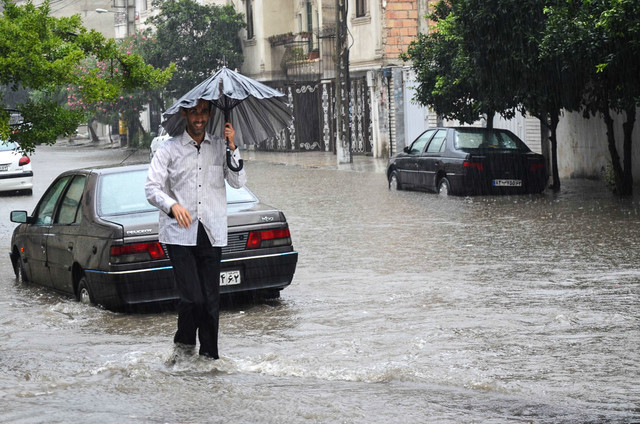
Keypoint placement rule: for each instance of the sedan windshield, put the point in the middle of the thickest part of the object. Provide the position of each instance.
(482, 138)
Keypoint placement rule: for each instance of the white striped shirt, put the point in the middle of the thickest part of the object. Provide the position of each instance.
(180, 173)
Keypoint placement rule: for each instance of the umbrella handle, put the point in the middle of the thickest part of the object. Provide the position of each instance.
(240, 161)
(230, 165)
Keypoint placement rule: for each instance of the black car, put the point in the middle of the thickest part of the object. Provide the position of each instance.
(93, 235)
(468, 160)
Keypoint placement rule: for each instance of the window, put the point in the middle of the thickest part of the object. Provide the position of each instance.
(361, 8)
(482, 138)
(250, 32)
(7, 146)
(418, 146)
(70, 204)
(113, 200)
(44, 213)
(437, 144)
(239, 195)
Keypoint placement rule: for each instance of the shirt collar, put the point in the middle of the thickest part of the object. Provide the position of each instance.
(186, 138)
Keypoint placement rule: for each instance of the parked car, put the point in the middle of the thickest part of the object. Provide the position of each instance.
(466, 160)
(157, 141)
(93, 235)
(15, 168)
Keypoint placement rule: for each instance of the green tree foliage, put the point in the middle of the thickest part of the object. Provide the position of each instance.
(125, 105)
(41, 54)
(537, 56)
(198, 38)
(599, 42)
(444, 72)
(461, 72)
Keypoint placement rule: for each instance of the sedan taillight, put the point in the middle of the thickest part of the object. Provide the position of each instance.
(269, 238)
(536, 166)
(139, 252)
(473, 165)
(24, 160)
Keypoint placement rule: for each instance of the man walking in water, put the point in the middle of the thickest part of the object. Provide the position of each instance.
(186, 182)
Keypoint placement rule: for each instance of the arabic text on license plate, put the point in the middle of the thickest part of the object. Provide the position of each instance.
(4, 167)
(229, 278)
(507, 183)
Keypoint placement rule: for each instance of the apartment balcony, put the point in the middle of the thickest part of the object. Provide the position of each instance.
(306, 56)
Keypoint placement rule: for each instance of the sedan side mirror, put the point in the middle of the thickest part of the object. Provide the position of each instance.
(19, 217)
(406, 149)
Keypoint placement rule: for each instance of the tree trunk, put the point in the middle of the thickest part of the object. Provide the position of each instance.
(555, 119)
(618, 171)
(490, 120)
(94, 136)
(551, 121)
(627, 129)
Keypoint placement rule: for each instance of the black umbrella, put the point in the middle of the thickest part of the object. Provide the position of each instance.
(256, 111)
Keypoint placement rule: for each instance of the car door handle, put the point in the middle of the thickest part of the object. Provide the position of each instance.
(70, 247)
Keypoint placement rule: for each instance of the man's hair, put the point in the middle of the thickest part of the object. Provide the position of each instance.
(209, 103)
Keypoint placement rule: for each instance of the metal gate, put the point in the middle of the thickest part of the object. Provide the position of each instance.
(313, 126)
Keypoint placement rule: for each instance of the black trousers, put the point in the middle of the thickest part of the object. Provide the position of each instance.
(197, 272)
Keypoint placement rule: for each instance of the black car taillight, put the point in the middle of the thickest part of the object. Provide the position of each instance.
(269, 238)
(139, 252)
(536, 166)
(473, 165)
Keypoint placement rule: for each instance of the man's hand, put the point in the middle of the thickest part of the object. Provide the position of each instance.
(230, 135)
(181, 215)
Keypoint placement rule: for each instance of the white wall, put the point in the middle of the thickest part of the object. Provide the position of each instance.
(583, 150)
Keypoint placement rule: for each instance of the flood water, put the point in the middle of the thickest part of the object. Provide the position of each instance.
(405, 308)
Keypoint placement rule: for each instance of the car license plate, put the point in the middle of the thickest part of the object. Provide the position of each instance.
(229, 278)
(4, 167)
(507, 183)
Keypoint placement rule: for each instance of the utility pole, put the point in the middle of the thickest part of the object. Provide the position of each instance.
(343, 85)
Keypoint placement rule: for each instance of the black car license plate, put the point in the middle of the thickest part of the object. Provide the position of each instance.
(506, 183)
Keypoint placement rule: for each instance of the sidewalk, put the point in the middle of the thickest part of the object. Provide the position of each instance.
(325, 160)
(314, 159)
(103, 143)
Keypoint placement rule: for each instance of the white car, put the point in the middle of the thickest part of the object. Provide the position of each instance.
(15, 169)
(158, 140)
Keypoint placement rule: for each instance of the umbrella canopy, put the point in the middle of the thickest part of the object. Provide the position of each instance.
(256, 111)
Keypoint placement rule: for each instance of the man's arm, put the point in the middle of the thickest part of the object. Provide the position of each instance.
(235, 179)
(156, 179)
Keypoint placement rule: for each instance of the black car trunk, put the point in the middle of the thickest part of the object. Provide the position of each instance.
(498, 171)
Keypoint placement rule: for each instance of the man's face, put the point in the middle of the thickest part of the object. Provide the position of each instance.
(197, 117)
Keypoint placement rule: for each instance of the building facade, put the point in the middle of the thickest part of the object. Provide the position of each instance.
(292, 45)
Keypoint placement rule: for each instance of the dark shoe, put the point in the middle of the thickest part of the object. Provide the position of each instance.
(209, 356)
(180, 352)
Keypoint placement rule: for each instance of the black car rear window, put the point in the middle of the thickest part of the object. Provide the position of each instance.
(481, 138)
(123, 193)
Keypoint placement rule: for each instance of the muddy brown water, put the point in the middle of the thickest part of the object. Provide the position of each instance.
(405, 308)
